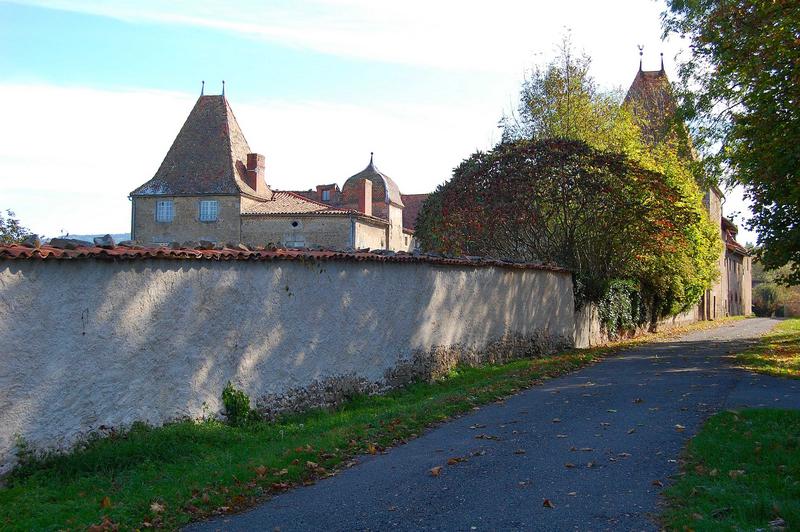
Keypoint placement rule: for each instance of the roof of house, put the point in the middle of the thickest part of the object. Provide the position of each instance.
(208, 156)
(730, 231)
(120, 253)
(285, 203)
(413, 204)
(383, 187)
(651, 100)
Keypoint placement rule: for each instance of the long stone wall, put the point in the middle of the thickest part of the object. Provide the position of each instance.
(589, 332)
(93, 344)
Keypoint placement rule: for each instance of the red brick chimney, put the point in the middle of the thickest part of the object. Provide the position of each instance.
(256, 178)
(365, 197)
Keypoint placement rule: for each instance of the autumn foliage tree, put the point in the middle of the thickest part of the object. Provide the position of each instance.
(573, 183)
(741, 95)
(599, 213)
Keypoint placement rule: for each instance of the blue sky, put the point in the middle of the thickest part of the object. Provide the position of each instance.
(95, 91)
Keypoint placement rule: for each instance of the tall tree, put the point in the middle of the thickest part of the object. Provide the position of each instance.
(563, 100)
(11, 230)
(741, 93)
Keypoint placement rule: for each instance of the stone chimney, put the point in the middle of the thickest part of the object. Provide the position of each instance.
(256, 178)
(365, 197)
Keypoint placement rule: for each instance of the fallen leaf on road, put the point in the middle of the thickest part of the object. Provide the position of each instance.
(638, 400)
(586, 449)
(611, 410)
(519, 451)
(623, 455)
(477, 426)
(556, 420)
(572, 493)
(631, 431)
(590, 464)
(392, 508)
(547, 503)
(561, 435)
(569, 465)
(657, 483)
(434, 471)
(456, 459)
(680, 428)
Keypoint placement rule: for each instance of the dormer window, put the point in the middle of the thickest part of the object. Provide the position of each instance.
(209, 210)
(165, 211)
(326, 195)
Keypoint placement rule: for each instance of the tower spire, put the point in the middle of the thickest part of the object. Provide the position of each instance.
(662, 61)
(202, 87)
(641, 53)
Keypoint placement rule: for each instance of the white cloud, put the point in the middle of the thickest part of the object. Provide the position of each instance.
(497, 36)
(75, 153)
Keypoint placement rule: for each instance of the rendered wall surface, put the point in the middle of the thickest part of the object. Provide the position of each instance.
(186, 226)
(92, 343)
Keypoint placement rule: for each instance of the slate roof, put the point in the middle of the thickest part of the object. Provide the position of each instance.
(383, 187)
(208, 156)
(124, 253)
(651, 100)
(413, 203)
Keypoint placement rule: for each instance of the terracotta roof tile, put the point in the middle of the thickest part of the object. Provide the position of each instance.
(284, 202)
(122, 253)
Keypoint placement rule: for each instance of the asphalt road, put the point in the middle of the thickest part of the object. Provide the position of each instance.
(592, 443)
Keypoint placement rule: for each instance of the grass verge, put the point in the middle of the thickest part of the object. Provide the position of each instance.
(742, 473)
(168, 476)
(778, 353)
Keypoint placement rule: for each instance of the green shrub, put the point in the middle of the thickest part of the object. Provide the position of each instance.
(622, 307)
(237, 406)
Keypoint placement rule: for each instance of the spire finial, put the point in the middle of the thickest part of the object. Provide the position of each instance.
(662, 61)
(641, 53)
(223, 87)
(371, 154)
(202, 87)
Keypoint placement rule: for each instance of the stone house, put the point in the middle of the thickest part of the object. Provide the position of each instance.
(211, 186)
(650, 99)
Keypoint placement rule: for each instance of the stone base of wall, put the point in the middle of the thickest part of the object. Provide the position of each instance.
(422, 366)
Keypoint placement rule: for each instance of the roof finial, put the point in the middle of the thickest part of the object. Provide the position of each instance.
(662, 61)
(370, 156)
(223, 87)
(202, 87)
(641, 53)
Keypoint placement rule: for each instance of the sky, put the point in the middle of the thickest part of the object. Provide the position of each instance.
(93, 92)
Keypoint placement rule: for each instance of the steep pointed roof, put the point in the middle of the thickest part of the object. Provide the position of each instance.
(208, 156)
(651, 100)
(383, 187)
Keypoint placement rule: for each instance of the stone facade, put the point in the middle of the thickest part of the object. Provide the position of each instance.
(211, 160)
(186, 224)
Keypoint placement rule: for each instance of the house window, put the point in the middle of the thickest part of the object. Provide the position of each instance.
(209, 210)
(326, 195)
(165, 211)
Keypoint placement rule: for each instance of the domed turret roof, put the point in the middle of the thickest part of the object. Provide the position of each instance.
(383, 187)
